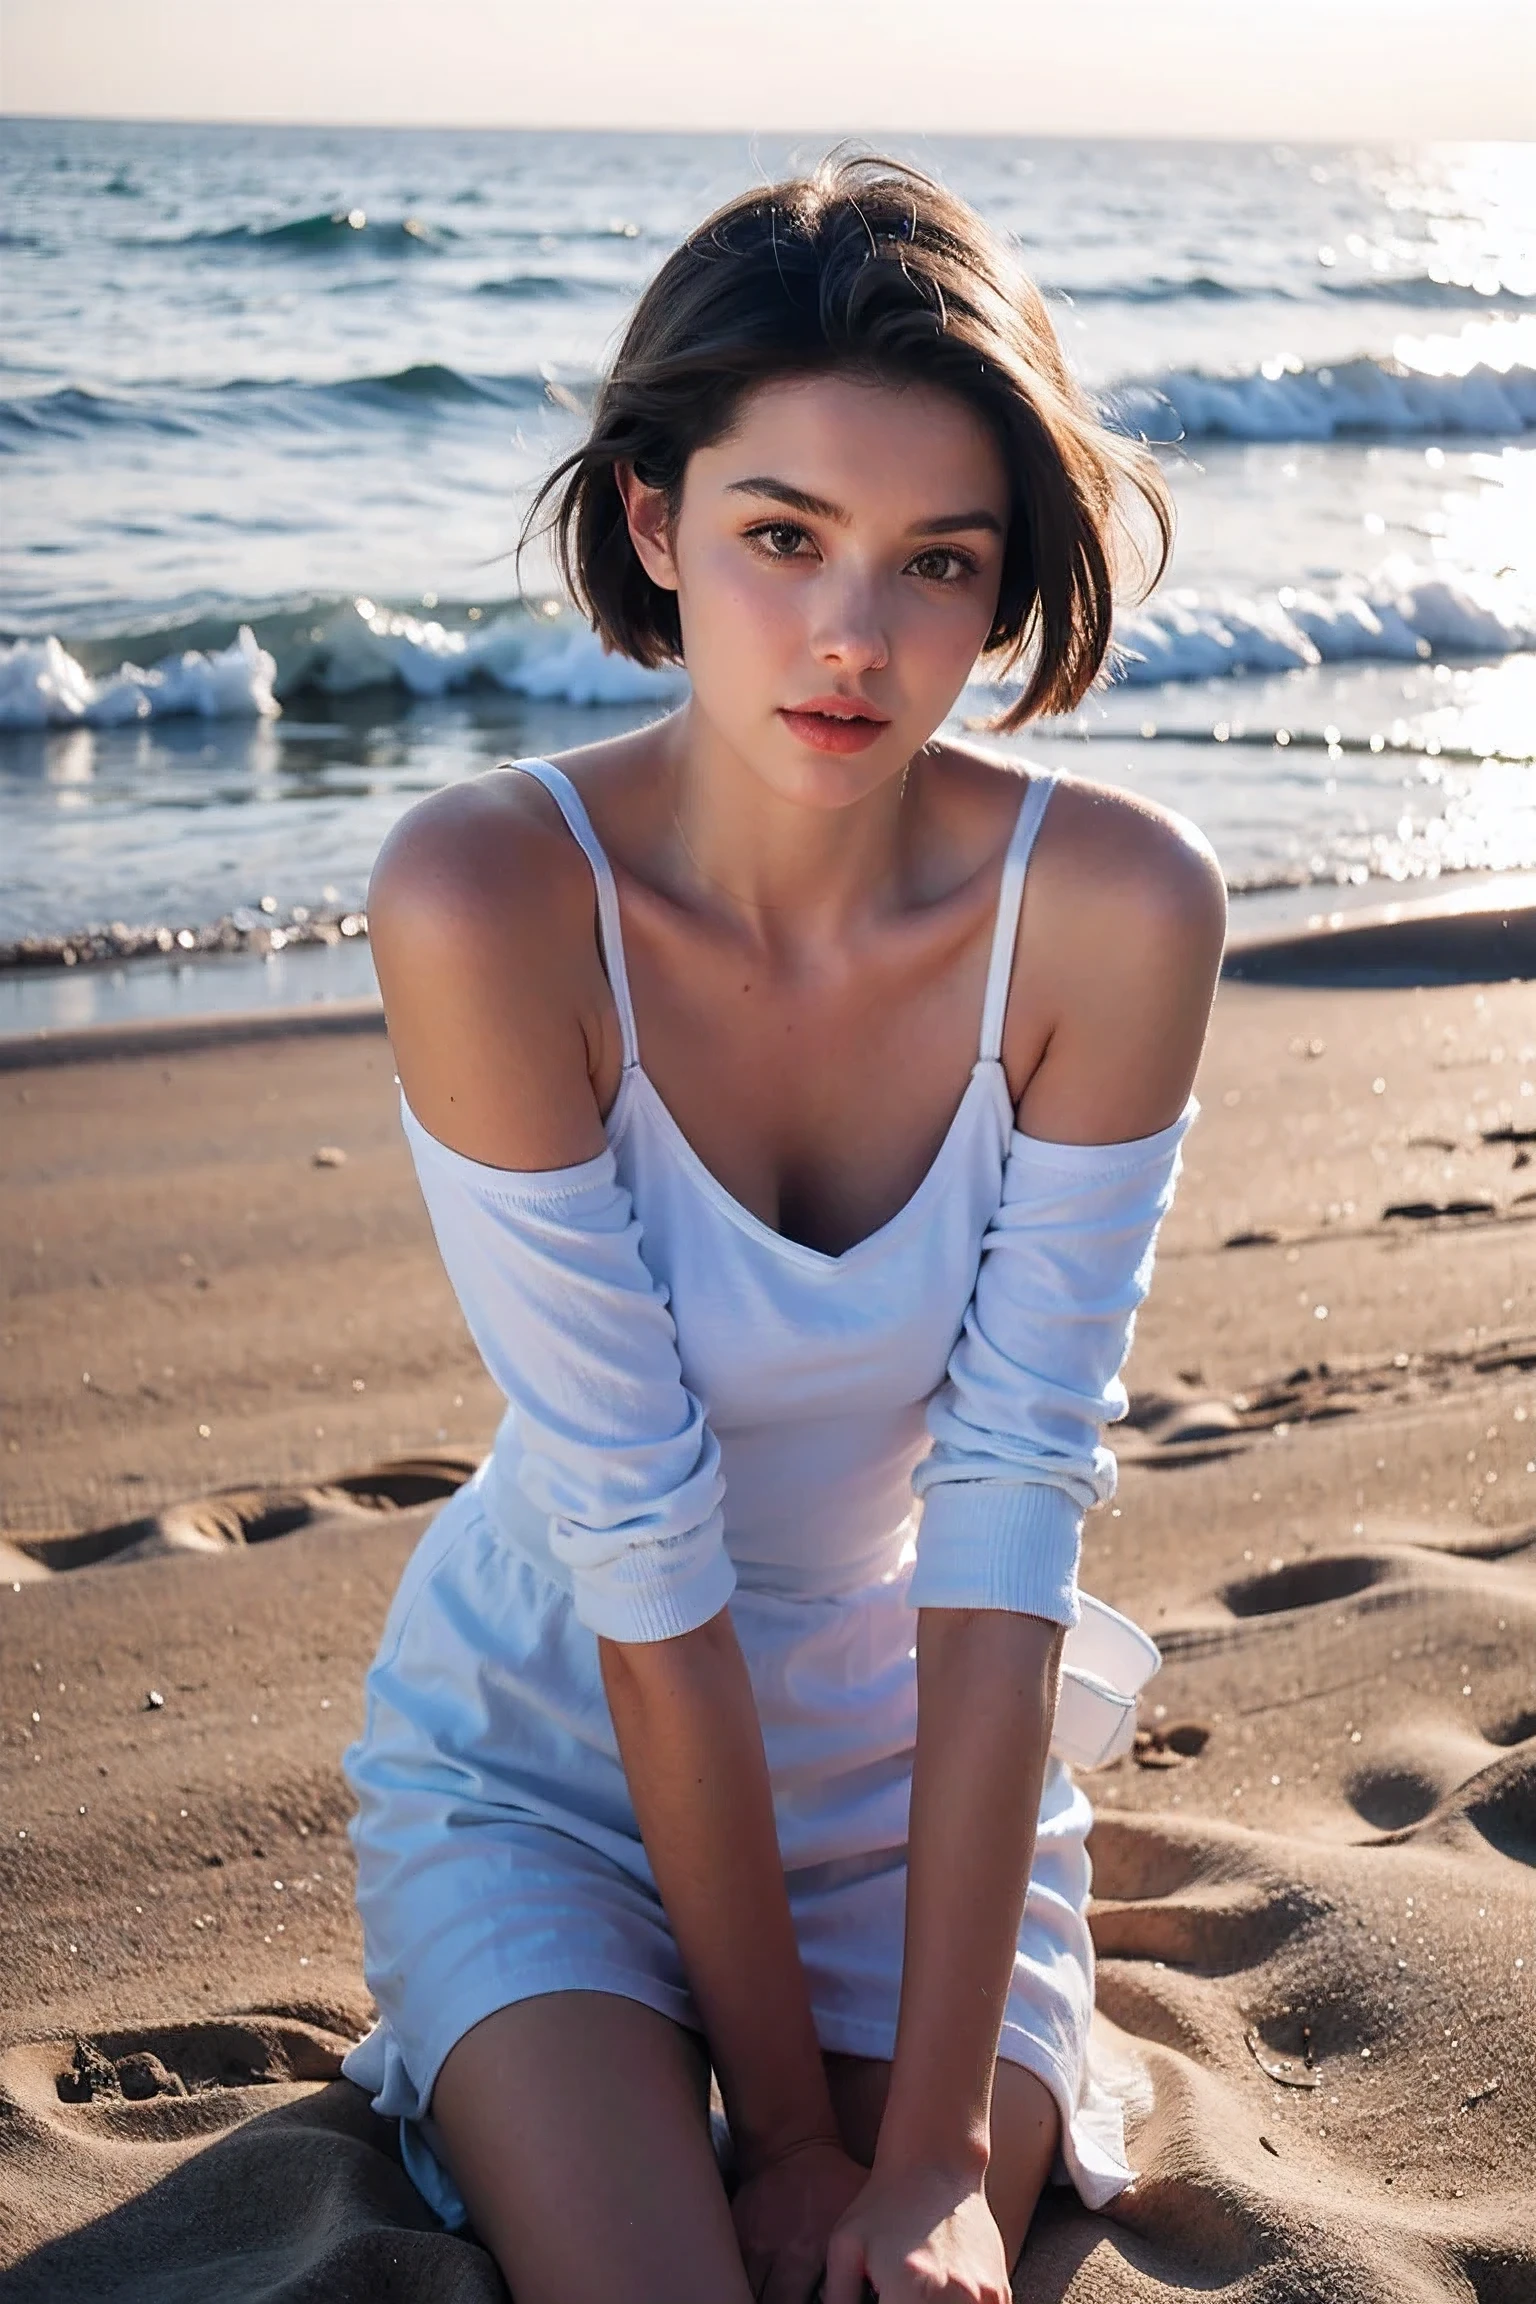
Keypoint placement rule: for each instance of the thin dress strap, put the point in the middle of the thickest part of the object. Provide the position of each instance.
(1010, 896)
(610, 935)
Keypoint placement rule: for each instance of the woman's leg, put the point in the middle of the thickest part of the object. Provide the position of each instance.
(576, 2127)
(1025, 2129)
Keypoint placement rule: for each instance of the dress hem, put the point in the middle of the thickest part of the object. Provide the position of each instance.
(1091, 2153)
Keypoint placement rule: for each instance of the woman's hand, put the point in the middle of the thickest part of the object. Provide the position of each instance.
(785, 2212)
(916, 2235)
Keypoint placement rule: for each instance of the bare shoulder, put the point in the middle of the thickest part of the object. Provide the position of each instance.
(481, 916)
(1102, 854)
(475, 865)
(1112, 856)
(1116, 966)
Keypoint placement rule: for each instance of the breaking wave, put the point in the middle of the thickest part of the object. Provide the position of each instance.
(1352, 399)
(349, 647)
(75, 411)
(1365, 399)
(1407, 616)
(43, 686)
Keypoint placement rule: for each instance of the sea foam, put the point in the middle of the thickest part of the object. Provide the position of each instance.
(42, 686)
(1352, 399)
(1407, 615)
(552, 659)
(1363, 399)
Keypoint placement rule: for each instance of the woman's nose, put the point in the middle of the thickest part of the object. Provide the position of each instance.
(847, 627)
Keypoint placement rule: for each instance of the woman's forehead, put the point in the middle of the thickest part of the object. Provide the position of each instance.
(860, 445)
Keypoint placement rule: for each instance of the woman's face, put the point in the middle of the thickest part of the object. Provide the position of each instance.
(837, 560)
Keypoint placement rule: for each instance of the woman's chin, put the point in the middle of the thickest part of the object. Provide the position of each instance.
(832, 780)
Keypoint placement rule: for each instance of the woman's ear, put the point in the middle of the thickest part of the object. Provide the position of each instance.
(650, 526)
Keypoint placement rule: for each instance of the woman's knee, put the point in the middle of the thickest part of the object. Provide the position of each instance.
(576, 2128)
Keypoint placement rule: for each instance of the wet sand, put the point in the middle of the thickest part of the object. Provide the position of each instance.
(234, 1385)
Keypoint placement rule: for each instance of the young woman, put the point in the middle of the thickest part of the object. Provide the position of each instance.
(795, 1096)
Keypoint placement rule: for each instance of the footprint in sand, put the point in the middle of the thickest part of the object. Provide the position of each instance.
(238, 1516)
(177, 2068)
(1308, 1583)
(1497, 1802)
(1405, 1781)
(1512, 1727)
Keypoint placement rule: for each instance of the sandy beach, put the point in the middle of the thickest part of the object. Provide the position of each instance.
(235, 1385)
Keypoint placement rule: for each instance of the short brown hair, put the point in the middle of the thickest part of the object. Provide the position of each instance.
(866, 267)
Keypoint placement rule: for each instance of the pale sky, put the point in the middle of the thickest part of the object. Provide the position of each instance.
(1330, 69)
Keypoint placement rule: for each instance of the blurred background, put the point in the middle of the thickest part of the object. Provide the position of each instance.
(297, 310)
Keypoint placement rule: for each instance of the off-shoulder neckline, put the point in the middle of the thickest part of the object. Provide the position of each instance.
(1020, 1147)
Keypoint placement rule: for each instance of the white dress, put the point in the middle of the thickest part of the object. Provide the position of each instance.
(702, 1412)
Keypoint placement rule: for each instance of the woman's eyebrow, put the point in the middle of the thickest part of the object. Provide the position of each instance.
(949, 522)
(798, 499)
(820, 508)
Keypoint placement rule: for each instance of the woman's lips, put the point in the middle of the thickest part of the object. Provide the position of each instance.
(833, 732)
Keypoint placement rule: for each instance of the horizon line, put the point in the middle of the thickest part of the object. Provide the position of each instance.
(734, 130)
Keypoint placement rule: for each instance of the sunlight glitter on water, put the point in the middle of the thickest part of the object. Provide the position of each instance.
(298, 372)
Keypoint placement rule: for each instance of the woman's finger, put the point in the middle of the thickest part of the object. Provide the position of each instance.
(790, 2282)
(843, 2282)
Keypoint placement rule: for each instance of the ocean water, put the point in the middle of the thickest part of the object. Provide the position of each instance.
(271, 402)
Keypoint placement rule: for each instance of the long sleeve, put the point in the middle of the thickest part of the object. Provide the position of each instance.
(576, 1331)
(1018, 1455)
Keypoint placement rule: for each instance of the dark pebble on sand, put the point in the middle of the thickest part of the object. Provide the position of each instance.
(142, 2075)
(1422, 1211)
(1165, 1747)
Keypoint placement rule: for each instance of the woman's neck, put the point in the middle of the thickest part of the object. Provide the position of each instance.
(783, 867)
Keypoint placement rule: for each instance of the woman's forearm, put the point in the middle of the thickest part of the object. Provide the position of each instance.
(986, 1700)
(692, 1748)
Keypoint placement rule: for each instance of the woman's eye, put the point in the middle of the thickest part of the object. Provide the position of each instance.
(943, 565)
(780, 539)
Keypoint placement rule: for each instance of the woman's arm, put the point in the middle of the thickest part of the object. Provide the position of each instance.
(1034, 1375)
(483, 923)
(923, 2228)
(986, 1696)
(688, 1729)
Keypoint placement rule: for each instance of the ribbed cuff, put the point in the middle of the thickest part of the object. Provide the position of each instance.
(655, 1607)
(999, 1544)
(1103, 1163)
